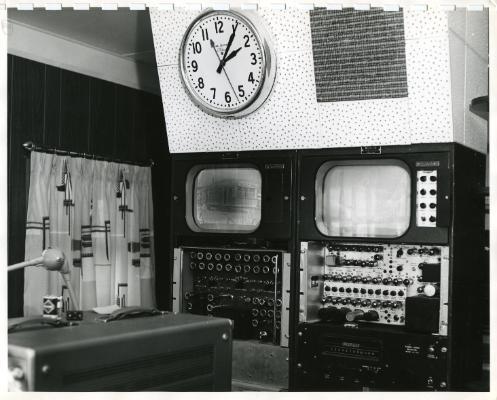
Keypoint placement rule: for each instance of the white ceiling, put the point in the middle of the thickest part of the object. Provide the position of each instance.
(123, 33)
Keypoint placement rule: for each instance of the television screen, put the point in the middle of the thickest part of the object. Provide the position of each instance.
(227, 199)
(363, 200)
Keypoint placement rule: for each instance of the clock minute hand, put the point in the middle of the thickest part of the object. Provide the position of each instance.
(228, 46)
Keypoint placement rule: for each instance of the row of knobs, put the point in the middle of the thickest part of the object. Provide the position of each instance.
(368, 280)
(227, 257)
(261, 301)
(346, 247)
(364, 302)
(378, 292)
(256, 269)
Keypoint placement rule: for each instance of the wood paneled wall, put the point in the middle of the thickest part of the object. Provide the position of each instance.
(70, 111)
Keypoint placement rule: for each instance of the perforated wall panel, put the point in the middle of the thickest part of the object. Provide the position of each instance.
(291, 117)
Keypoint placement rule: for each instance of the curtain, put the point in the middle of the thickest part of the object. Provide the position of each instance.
(100, 214)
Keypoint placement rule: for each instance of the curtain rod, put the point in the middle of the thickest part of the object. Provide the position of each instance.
(30, 146)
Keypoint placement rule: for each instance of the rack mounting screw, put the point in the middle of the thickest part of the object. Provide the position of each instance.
(224, 336)
(300, 333)
(45, 369)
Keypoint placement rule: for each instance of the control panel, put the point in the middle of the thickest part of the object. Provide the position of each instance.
(377, 283)
(248, 286)
(379, 358)
(426, 198)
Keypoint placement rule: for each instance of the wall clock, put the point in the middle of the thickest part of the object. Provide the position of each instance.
(227, 63)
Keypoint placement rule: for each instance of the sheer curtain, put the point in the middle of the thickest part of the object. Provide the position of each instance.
(100, 215)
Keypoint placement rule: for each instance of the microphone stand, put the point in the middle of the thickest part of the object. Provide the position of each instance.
(51, 260)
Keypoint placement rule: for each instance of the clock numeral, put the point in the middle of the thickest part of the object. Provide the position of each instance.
(201, 83)
(227, 97)
(213, 92)
(194, 66)
(241, 92)
(246, 37)
(251, 78)
(218, 25)
(197, 47)
(254, 58)
(205, 34)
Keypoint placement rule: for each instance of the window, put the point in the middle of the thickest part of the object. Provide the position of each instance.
(355, 199)
(227, 200)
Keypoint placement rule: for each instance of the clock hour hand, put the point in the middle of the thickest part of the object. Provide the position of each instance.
(232, 55)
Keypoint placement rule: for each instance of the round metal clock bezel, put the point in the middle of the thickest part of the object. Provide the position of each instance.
(268, 65)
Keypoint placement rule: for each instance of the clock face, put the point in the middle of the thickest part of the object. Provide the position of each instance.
(223, 62)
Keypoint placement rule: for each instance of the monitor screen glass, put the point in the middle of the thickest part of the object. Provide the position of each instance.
(363, 200)
(227, 199)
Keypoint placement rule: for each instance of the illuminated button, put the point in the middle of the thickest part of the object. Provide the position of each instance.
(396, 304)
(397, 281)
(429, 290)
(375, 304)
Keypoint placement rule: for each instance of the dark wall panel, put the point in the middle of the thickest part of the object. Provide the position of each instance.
(125, 118)
(103, 117)
(58, 108)
(74, 111)
(52, 107)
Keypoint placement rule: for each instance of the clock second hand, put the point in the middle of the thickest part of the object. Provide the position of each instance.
(217, 55)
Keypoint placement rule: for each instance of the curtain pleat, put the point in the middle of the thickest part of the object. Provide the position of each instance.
(100, 215)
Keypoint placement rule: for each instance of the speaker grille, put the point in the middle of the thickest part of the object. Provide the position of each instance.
(358, 55)
(186, 371)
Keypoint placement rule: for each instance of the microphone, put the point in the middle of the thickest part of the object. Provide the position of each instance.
(51, 259)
